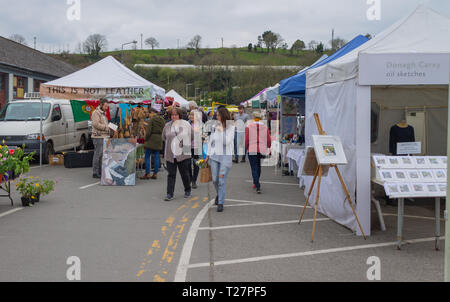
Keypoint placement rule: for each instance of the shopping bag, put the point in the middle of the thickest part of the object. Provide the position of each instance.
(205, 175)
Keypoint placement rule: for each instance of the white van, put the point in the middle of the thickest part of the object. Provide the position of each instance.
(20, 124)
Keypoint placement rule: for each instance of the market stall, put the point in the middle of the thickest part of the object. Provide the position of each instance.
(402, 72)
(177, 99)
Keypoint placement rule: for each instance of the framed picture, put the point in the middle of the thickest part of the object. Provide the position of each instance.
(391, 189)
(427, 175)
(414, 175)
(405, 189)
(419, 189)
(407, 162)
(394, 162)
(440, 175)
(432, 189)
(421, 162)
(434, 162)
(119, 162)
(442, 188)
(329, 150)
(400, 175)
(387, 175)
(380, 161)
(443, 160)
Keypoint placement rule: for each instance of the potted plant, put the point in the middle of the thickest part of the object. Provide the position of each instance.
(13, 163)
(32, 188)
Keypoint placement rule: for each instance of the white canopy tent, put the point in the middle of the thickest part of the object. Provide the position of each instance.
(106, 78)
(406, 65)
(178, 99)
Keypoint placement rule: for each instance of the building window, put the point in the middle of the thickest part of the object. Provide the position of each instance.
(19, 87)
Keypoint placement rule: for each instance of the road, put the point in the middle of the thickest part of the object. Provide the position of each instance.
(131, 234)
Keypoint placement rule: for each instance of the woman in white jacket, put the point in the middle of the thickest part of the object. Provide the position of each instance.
(220, 154)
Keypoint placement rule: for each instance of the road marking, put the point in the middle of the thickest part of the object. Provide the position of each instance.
(274, 183)
(180, 275)
(418, 217)
(259, 224)
(311, 253)
(11, 211)
(267, 203)
(88, 186)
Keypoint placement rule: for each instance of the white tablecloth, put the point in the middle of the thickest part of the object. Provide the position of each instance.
(295, 159)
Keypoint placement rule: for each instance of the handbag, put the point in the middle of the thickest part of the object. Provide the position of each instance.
(205, 175)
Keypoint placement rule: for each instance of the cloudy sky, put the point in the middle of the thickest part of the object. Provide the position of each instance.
(238, 22)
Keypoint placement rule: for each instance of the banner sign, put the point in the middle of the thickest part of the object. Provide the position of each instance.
(404, 69)
(76, 93)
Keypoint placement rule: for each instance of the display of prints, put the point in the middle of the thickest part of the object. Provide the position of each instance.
(329, 150)
(442, 188)
(440, 175)
(434, 162)
(394, 162)
(119, 162)
(387, 175)
(427, 175)
(432, 189)
(443, 160)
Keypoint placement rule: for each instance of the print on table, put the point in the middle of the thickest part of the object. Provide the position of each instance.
(404, 188)
(427, 175)
(432, 188)
(440, 175)
(418, 188)
(400, 175)
(414, 175)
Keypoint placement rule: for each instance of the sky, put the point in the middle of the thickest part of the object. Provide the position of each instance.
(238, 22)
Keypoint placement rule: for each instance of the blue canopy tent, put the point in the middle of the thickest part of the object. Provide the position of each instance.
(295, 86)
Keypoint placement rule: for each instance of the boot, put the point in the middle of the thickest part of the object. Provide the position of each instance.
(154, 176)
(145, 177)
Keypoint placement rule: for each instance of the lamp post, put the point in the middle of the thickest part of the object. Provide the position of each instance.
(187, 90)
(121, 54)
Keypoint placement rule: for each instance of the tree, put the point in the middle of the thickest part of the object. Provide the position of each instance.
(297, 46)
(152, 42)
(195, 43)
(250, 47)
(313, 45)
(19, 39)
(278, 41)
(94, 44)
(268, 38)
(320, 48)
(337, 43)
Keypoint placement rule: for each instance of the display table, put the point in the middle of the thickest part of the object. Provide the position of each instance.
(285, 148)
(400, 215)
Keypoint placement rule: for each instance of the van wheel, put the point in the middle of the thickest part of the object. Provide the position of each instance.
(47, 152)
(83, 143)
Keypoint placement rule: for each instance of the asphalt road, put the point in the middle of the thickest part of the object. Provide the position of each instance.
(131, 234)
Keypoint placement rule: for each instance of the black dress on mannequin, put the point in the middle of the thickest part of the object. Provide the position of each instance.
(400, 135)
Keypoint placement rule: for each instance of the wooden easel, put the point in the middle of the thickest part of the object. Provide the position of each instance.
(318, 174)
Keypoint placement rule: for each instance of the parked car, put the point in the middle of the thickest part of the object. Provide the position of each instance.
(20, 125)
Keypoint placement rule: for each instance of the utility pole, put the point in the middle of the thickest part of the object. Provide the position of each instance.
(142, 36)
(34, 42)
(222, 43)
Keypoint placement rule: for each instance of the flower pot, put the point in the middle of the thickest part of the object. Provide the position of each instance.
(38, 198)
(26, 201)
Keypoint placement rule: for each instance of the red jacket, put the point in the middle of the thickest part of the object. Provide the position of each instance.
(257, 139)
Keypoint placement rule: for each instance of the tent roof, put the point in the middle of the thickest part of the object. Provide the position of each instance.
(423, 32)
(106, 73)
(295, 86)
(178, 98)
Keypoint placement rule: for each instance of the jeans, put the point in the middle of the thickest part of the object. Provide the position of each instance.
(194, 169)
(155, 155)
(255, 164)
(98, 155)
(184, 168)
(239, 143)
(220, 184)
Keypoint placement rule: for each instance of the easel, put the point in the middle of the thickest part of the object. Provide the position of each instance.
(318, 174)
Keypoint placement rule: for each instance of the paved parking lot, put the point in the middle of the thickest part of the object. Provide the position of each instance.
(131, 234)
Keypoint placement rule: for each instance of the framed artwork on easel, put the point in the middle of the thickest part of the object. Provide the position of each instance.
(329, 150)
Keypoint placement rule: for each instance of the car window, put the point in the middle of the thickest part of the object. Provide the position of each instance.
(56, 113)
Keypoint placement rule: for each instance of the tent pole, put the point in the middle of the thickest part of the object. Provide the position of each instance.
(40, 136)
(447, 223)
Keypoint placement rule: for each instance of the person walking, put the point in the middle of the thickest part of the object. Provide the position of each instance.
(257, 144)
(100, 131)
(220, 153)
(177, 136)
(196, 127)
(241, 118)
(153, 143)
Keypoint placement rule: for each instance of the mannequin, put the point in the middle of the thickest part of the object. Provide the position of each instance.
(400, 133)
